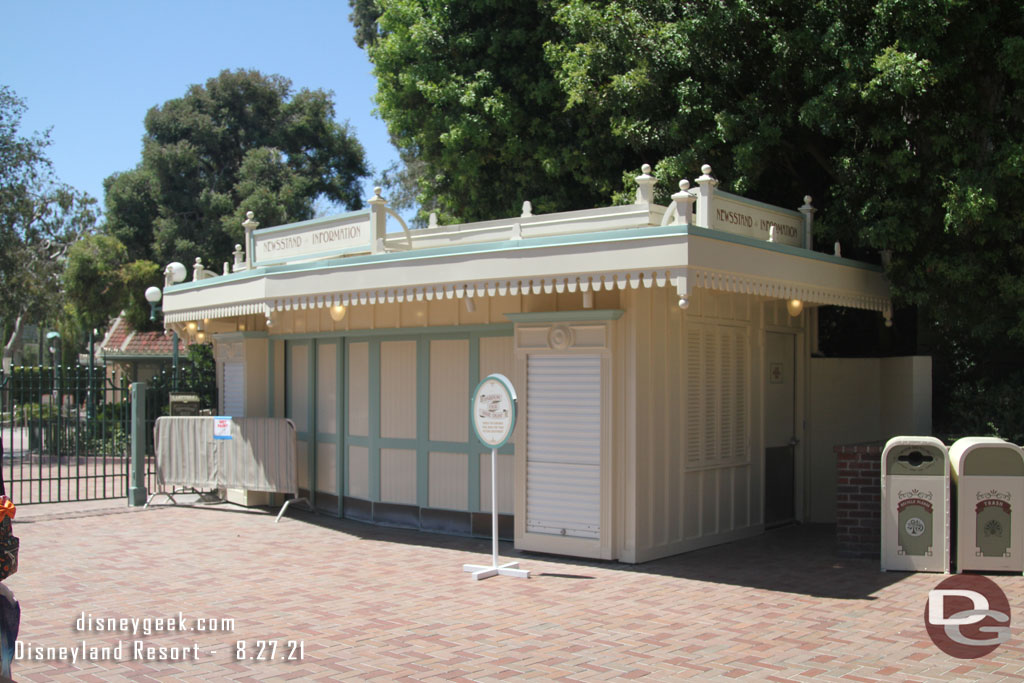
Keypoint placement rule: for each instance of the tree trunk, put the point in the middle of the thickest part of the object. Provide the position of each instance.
(12, 344)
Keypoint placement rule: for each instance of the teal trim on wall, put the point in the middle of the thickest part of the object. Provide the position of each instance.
(472, 445)
(374, 405)
(566, 316)
(438, 332)
(271, 352)
(311, 410)
(339, 383)
(304, 431)
(241, 334)
(346, 440)
(422, 444)
(423, 420)
(396, 442)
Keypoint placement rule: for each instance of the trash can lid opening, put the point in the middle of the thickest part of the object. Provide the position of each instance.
(915, 458)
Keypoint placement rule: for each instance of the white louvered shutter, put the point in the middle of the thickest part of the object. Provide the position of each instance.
(563, 445)
(717, 373)
(233, 389)
(696, 408)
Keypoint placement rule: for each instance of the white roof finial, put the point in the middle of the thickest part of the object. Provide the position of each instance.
(645, 185)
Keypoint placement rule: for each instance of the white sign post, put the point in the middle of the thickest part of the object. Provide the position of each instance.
(493, 413)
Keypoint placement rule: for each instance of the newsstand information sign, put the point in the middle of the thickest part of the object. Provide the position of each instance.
(494, 410)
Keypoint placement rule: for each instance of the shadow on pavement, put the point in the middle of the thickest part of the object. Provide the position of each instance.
(798, 559)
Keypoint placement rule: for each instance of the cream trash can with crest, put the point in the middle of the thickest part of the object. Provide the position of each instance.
(988, 477)
(915, 505)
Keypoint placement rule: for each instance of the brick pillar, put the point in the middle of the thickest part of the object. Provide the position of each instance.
(859, 500)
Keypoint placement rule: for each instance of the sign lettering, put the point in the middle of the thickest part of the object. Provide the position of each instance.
(751, 220)
(346, 234)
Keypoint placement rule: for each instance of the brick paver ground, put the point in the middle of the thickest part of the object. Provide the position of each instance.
(370, 603)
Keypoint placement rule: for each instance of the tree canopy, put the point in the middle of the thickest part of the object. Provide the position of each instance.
(465, 89)
(241, 142)
(902, 119)
(39, 220)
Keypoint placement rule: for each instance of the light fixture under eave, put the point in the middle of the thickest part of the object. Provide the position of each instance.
(795, 307)
(192, 326)
(338, 313)
(200, 336)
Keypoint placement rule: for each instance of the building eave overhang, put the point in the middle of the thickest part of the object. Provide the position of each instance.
(684, 257)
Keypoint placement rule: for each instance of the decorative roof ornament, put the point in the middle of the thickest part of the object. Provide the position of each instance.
(684, 203)
(645, 185)
(249, 224)
(706, 176)
(705, 192)
(808, 211)
(527, 210)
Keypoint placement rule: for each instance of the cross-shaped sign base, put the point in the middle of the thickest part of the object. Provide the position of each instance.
(510, 569)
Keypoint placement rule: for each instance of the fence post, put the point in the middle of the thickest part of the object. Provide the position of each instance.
(137, 488)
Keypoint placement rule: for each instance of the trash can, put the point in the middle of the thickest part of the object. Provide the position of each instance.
(915, 505)
(988, 476)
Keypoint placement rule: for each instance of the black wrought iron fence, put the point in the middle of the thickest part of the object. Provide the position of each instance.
(66, 433)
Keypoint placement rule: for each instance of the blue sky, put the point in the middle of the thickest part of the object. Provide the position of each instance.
(91, 70)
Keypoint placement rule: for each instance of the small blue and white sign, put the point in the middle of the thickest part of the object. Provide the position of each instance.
(222, 427)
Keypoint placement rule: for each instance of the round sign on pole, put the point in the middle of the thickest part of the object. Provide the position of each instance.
(493, 410)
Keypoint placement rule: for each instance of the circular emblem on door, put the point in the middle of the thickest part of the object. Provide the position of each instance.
(914, 526)
(560, 337)
(993, 528)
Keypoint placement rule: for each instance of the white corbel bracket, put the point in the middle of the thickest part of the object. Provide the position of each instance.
(683, 290)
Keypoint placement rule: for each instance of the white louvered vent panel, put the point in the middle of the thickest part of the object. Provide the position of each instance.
(233, 389)
(563, 445)
(740, 423)
(727, 394)
(694, 397)
(709, 387)
(717, 371)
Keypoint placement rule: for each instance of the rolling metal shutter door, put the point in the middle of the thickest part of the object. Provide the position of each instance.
(233, 386)
(563, 446)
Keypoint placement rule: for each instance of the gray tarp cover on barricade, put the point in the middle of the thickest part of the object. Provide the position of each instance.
(259, 456)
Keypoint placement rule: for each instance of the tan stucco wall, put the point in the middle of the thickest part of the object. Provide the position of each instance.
(855, 400)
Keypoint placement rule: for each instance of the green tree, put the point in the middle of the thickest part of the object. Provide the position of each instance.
(92, 281)
(99, 282)
(40, 219)
(466, 91)
(241, 142)
(902, 119)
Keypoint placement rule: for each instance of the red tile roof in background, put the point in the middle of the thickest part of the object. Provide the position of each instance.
(123, 340)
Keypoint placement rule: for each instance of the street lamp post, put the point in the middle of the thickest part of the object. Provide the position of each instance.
(90, 396)
(54, 340)
(153, 296)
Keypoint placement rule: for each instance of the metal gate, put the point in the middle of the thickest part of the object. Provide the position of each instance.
(66, 434)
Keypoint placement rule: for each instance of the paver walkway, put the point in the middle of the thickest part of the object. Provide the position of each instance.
(369, 603)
